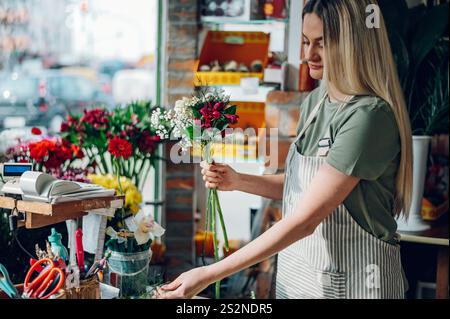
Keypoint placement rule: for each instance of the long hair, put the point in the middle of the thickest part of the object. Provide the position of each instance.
(359, 61)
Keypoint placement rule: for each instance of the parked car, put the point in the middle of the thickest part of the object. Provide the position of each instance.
(46, 98)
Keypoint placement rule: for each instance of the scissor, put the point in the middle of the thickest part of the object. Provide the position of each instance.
(6, 284)
(48, 281)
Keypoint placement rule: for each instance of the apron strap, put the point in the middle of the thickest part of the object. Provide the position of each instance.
(311, 118)
(315, 111)
(326, 141)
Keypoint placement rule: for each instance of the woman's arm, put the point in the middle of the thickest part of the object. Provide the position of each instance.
(224, 178)
(327, 191)
(269, 186)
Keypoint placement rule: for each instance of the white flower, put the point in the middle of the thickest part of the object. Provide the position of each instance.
(180, 104)
(144, 227)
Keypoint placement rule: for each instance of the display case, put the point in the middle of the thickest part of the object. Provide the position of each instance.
(247, 50)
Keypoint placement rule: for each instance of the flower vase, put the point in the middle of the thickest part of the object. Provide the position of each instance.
(129, 272)
(415, 221)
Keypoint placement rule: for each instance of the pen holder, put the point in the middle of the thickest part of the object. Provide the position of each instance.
(89, 289)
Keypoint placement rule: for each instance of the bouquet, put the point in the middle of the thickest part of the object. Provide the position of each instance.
(209, 113)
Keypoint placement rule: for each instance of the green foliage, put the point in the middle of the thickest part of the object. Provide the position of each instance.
(421, 54)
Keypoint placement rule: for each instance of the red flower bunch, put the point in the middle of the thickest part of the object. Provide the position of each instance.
(98, 118)
(213, 113)
(52, 154)
(69, 124)
(124, 132)
(120, 147)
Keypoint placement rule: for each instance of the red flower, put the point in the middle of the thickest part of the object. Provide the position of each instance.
(64, 127)
(52, 154)
(120, 147)
(147, 142)
(98, 118)
(207, 123)
(36, 131)
(205, 111)
(216, 115)
(77, 152)
(232, 119)
(219, 106)
(70, 123)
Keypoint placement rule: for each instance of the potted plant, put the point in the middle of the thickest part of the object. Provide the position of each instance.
(419, 40)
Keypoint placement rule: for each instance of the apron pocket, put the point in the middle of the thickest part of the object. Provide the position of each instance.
(332, 285)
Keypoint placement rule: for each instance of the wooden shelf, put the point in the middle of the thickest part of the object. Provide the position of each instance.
(38, 214)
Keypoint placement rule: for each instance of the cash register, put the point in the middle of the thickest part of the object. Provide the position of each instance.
(10, 173)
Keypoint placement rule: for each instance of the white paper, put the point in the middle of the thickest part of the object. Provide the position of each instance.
(108, 292)
(93, 232)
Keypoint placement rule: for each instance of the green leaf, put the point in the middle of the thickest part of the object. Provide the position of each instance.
(428, 31)
(395, 14)
(231, 110)
(196, 113)
(401, 56)
(190, 132)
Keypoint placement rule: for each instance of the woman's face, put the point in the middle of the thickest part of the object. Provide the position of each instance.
(313, 45)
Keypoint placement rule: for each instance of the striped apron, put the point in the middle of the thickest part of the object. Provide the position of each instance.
(340, 259)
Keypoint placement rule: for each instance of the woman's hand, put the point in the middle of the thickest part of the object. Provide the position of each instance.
(220, 176)
(187, 285)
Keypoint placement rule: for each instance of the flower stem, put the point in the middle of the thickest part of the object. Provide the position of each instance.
(216, 251)
(207, 224)
(117, 164)
(222, 222)
(102, 159)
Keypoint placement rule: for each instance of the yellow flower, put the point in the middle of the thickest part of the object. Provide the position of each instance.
(134, 209)
(133, 198)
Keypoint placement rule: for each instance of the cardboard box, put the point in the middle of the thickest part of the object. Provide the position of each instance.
(224, 46)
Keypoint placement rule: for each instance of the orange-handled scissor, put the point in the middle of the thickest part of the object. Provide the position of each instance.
(51, 279)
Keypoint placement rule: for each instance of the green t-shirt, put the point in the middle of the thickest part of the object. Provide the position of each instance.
(366, 144)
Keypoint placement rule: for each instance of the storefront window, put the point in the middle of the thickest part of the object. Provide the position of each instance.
(60, 57)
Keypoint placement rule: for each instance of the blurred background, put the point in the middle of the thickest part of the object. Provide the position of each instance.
(61, 56)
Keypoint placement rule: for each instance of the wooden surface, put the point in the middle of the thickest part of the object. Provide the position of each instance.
(7, 202)
(68, 207)
(39, 214)
(436, 235)
(37, 220)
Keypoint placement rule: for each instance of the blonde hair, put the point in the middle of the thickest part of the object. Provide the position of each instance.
(360, 62)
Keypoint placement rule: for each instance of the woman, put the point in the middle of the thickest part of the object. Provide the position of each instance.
(348, 173)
